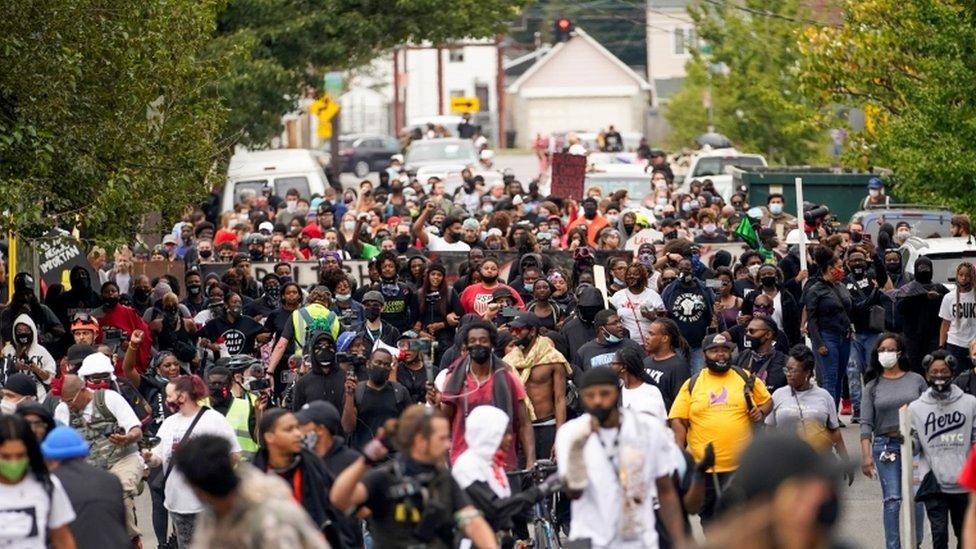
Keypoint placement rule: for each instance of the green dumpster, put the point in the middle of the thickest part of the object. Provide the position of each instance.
(842, 192)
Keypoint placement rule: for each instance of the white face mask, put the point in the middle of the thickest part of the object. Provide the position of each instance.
(874, 192)
(753, 269)
(888, 359)
(8, 406)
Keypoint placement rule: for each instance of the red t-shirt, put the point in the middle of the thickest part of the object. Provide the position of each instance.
(967, 477)
(476, 396)
(476, 297)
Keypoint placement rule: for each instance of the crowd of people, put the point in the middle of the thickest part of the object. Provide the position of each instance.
(599, 391)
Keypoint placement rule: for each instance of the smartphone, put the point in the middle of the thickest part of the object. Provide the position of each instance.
(510, 312)
(421, 345)
(260, 385)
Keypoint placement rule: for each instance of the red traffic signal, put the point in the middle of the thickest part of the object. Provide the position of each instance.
(561, 29)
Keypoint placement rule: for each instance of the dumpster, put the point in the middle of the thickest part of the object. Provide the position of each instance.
(842, 192)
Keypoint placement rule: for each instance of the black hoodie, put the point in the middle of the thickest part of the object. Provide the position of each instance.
(81, 295)
(577, 330)
(326, 383)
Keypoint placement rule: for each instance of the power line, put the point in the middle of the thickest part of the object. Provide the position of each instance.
(770, 14)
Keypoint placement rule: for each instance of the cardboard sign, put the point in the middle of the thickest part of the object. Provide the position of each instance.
(568, 173)
(57, 254)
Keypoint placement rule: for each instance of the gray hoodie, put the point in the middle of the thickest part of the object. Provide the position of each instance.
(943, 432)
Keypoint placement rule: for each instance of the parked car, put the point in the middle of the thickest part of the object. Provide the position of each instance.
(446, 151)
(926, 221)
(365, 153)
(946, 254)
(637, 184)
(273, 172)
(716, 165)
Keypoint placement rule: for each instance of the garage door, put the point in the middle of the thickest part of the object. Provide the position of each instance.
(557, 115)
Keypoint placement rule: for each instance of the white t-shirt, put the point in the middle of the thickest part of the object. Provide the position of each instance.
(645, 449)
(961, 317)
(437, 244)
(27, 514)
(116, 403)
(628, 307)
(179, 495)
(645, 399)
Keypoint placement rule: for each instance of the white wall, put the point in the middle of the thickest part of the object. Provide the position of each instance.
(662, 60)
(478, 67)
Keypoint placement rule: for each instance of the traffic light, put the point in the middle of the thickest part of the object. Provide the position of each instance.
(561, 29)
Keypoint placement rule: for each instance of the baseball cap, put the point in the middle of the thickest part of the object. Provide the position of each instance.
(321, 413)
(598, 376)
(875, 183)
(22, 384)
(64, 443)
(717, 340)
(267, 227)
(169, 239)
(501, 292)
(525, 320)
(77, 353)
(373, 295)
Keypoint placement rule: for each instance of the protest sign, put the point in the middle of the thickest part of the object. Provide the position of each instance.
(568, 173)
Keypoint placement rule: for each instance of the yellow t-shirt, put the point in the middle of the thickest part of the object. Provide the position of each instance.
(717, 413)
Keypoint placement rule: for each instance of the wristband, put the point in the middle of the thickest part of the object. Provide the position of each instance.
(465, 516)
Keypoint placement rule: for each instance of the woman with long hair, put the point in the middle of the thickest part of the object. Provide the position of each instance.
(829, 304)
(440, 308)
(639, 392)
(958, 314)
(727, 304)
(27, 490)
(891, 386)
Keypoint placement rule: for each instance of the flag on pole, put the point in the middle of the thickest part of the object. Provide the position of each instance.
(747, 232)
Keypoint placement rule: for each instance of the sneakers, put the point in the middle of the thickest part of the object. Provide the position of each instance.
(845, 407)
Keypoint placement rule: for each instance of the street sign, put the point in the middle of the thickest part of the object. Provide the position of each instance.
(325, 108)
(465, 104)
(332, 82)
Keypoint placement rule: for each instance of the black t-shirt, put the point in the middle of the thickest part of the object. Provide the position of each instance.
(374, 407)
(594, 354)
(768, 369)
(316, 385)
(238, 336)
(668, 374)
(690, 310)
(400, 305)
(393, 522)
(259, 307)
(415, 382)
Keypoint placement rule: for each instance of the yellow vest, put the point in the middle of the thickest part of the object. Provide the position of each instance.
(238, 415)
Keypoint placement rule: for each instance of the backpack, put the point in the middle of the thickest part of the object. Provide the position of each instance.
(314, 324)
(747, 377)
(136, 401)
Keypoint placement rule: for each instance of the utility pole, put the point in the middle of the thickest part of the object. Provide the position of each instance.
(440, 80)
(397, 123)
(500, 88)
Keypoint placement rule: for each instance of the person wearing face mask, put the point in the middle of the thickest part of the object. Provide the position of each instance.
(376, 331)
(24, 301)
(187, 420)
(368, 404)
(690, 303)
(234, 333)
(745, 286)
(785, 310)
(942, 421)
(325, 380)
(611, 336)
(958, 314)
(113, 314)
(476, 297)
(719, 405)
(29, 358)
(450, 241)
(27, 489)
(580, 327)
(194, 300)
(916, 306)
(615, 462)
(591, 219)
(891, 386)
(637, 304)
(243, 409)
(760, 356)
(876, 195)
(314, 316)
(776, 217)
(828, 304)
(17, 389)
(867, 308)
(894, 272)
(80, 296)
(141, 293)
(710, 231)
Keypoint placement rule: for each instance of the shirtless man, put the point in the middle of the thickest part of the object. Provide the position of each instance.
(543, 371)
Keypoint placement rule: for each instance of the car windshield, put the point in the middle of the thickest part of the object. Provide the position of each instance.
(715, 165)
(637, 188)
(461, 152)
(944, 265)
(299, 183)
(256, 186)
(924, 224)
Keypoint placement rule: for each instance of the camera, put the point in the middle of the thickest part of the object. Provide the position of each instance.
(509, 312)
(354, 359)
(421, 345)
(110, 430)
(112, 337)
(260, 385)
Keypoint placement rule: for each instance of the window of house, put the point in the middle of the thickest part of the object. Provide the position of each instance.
(456, 55)
(684, 40)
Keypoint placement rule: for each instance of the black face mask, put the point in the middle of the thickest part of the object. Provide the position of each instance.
(402, 242)
(718, 367)
(140, 294)
(193, 289)
(923, 276)
(601, 414)
(24, 339)
(858, 272)
(256, 255)
(752, 342)
(489, 279)
(272, 292)
(589, 211)
(524, 341)
(217, 310)
(219, 393)
(372, 314)
(205, 254)
(768, 281)
(686, 278)
(236, 312)
(893, 268)
(83, 282)
(941, 385)
(323, 357)
(379, 376)
(588, 314)
(110, 302)
(480, 353)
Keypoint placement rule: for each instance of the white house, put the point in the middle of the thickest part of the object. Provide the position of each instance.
(577, 86)
(670, 32)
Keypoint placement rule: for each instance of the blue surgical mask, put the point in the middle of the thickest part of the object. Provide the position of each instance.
(612, 338)
(776, 209)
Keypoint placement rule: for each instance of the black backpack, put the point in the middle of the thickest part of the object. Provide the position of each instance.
(746, 376)
(136, 400)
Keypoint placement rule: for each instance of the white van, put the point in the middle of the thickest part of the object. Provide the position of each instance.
(276, 170)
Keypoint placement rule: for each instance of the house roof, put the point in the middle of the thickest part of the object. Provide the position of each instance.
(581, 43)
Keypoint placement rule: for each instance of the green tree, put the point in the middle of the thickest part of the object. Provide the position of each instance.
(278, 47)
(911, 65)
(751, 74)
(106, 113)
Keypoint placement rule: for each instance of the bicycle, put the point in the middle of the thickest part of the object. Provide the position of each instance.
(545, 530)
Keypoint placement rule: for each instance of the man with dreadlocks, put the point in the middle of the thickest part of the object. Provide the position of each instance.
(958, 314)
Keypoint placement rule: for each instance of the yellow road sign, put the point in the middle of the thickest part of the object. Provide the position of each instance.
(465, 104)
(325, 108)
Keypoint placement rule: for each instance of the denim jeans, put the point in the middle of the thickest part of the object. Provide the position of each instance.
(696, 360)
(889, 472)
(838, 353)
(861, 346)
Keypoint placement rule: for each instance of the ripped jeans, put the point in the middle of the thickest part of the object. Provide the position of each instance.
(889, 472)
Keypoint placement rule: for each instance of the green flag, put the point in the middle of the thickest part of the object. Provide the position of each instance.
(747, 233)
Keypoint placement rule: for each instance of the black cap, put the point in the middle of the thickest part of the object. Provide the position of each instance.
(321, 413)
(501, 292)
(525, 320)
(78, 352)
(598, 376)
(31, 407)
(22, 384)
